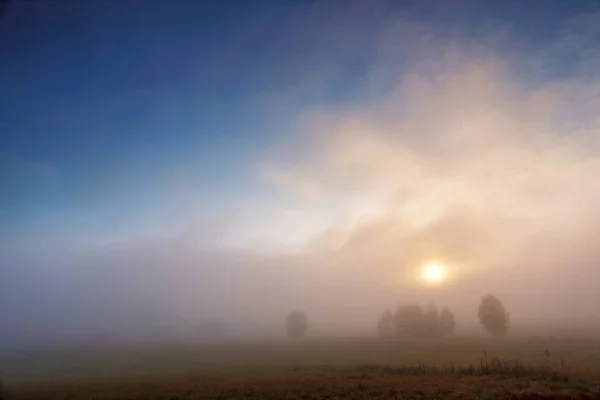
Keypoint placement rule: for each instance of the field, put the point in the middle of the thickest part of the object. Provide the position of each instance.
(314, 369)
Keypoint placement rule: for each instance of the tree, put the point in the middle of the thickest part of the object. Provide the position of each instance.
(296, 325)
(431, 321)
(385, 326)
(408, 320)
(414, 321)
(447, 323)
(493, 316)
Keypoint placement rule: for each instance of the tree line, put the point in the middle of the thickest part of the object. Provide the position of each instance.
(414, 321)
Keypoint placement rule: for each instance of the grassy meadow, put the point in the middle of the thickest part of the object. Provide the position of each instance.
(359, 368)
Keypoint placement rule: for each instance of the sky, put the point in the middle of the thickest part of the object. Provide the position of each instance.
(164, 163)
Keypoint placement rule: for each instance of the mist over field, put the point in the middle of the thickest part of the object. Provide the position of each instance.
(201, 189)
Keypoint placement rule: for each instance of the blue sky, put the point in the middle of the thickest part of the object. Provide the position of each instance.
(357, 132)
(114, 97)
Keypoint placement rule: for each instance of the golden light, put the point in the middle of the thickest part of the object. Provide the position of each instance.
(434, 273)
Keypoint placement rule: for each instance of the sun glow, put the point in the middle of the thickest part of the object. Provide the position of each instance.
(434, 273)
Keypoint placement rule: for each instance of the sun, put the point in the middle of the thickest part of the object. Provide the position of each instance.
(434, 273)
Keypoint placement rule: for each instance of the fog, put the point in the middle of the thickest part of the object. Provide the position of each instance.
(472, 150)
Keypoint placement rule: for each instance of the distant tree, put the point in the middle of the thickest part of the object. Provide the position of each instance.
(408, 320)
(385, 326)
(412, 320)
(431, 321)
(493, 316)
(447, 323)
(296, 325)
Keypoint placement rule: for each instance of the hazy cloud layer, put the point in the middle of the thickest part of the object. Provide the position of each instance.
(468, 162)
(459, 153)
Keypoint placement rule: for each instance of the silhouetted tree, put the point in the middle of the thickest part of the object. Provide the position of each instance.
(447, 323)
(385, 326)
(296, 325)
(431, 323)
(493, 316)
(409, 321)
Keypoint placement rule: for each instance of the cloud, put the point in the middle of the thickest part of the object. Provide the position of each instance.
(461, 159)
(448, 149)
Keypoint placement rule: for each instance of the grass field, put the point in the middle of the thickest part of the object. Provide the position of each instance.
(343, 368)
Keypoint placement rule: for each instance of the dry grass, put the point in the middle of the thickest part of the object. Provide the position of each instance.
(492, 378)
(317, 369)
